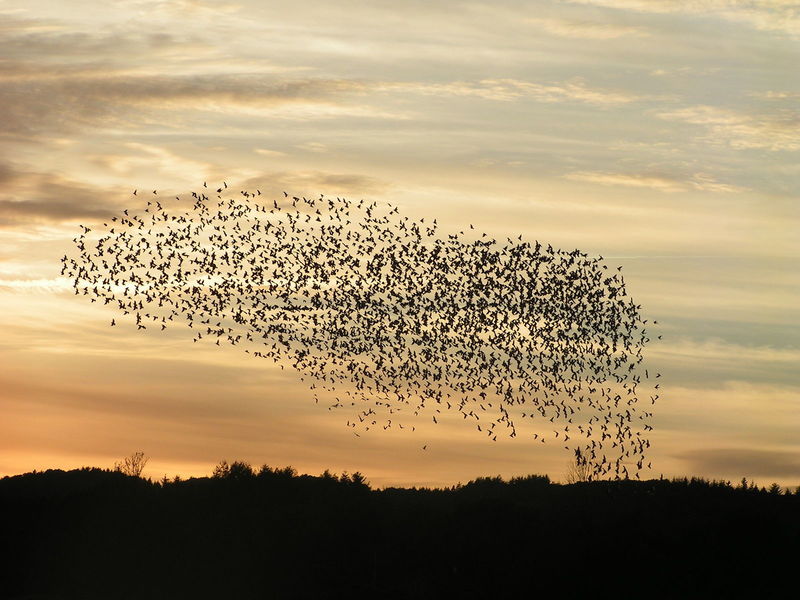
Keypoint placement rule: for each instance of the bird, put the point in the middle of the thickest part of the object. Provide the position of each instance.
(384, 318)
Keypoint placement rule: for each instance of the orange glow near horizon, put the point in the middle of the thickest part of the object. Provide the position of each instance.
(663, 138)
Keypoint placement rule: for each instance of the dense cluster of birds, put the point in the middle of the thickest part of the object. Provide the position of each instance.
(383, 316)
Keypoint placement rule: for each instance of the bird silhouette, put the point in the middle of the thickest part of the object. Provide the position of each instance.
(384, 318)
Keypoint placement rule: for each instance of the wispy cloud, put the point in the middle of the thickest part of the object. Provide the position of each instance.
(76, 101)
(779, 130)
(743, 462)
(591, 30)
(29, 44)
(314, 183)
(267, 152)
(29, 197)
(662, 183)
(507, 90)
(716, 351)
(46, 286)
(766, 15)
(70, 102)
(179, 8)
(665, 6)
(313, 147)
(776, 95)
(154, 158)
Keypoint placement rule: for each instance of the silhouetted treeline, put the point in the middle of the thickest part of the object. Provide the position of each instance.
(93, 533)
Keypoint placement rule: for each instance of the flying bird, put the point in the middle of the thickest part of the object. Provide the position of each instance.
(386, 319)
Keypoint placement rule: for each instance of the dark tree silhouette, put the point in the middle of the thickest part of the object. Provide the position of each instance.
(278, 534)
(132, 465)
(578, 471)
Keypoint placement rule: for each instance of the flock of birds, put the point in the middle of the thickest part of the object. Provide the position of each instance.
(382, 316)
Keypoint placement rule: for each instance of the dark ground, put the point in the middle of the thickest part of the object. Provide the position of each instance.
(92, 533)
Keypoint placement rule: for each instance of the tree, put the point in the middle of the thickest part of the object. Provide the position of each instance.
(222, 470)
(356, 480)
(578, 470)
(132, 465)
(238, 469)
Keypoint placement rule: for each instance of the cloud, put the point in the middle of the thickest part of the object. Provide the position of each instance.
(30, 197)
(732, 410)
(775, 95)
(695, 71)
(506, 90)
(54, 80)
(592, 30)
(714, 353)
(36, 106)
(41, 46)
(314, 183)
(313, 147)
(267, 152)
(179, 8)
(41, 286)
(699, 181)
(154, 158)
(665, 6)
(779, 130)
(662, 184)
(739, 462)
(706, 183)
(766, 15)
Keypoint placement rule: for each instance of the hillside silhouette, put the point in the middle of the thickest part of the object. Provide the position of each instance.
(241, 533)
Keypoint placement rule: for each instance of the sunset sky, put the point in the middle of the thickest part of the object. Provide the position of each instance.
(663, 135)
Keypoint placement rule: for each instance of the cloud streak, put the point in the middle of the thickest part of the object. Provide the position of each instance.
(738, 462)
(699, 181)
(50, 102)
(507, 90)
(591, 30)
(766, 15)
(29, 197)
(71, 103)
(775, 131)
(313, 182)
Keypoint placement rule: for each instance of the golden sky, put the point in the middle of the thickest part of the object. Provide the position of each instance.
(663, 135)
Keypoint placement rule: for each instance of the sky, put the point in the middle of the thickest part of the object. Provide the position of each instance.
(663, 135)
